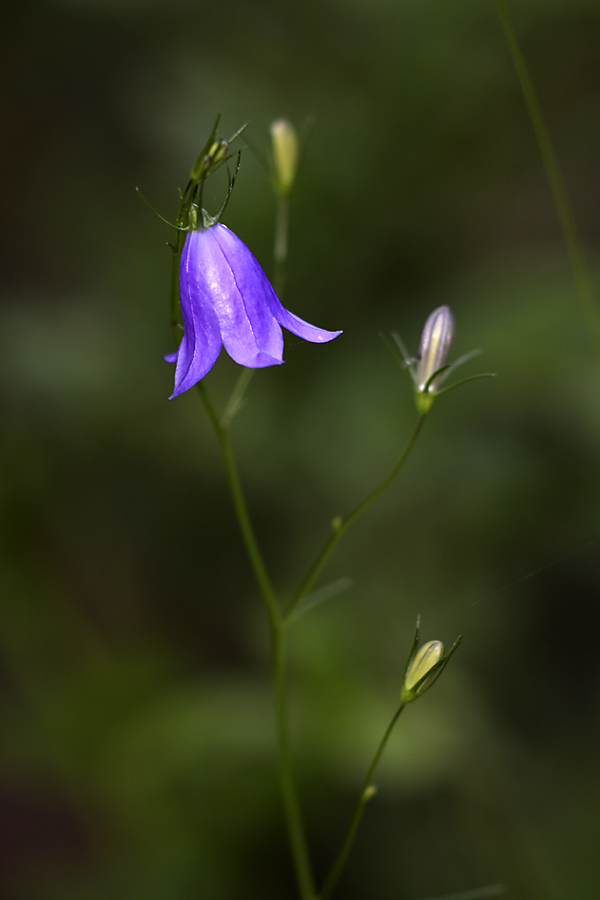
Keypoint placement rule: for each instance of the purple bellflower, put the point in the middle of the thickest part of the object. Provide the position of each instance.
(226, 299)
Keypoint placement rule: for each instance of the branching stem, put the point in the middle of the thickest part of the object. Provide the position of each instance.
(338, 863)
(291, 805)
(341, 526)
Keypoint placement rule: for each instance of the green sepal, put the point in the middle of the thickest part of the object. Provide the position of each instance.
(413, 648)
(465, 380)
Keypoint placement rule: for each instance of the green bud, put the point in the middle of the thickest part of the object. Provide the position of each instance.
(208, 160)
(424, 666)
(284, 146)
(218, 150)
(424, 662)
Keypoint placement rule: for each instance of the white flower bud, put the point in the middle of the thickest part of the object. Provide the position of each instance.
(425, 660)
(284, 142)
(435, 346)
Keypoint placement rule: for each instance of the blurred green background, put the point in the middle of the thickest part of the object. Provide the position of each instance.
(136, 757)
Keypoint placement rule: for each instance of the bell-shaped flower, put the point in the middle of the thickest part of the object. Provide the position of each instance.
(226, 299)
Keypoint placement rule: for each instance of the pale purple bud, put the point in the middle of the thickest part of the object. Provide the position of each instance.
(435, 346)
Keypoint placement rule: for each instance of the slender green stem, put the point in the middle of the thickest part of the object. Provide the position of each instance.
(280, 247)
(340, 526)
(241, 511)
(234, 404)
(581, 274)
(174, 320)
(290, 799)
(174, 300)
(365, 793)
(174, 304)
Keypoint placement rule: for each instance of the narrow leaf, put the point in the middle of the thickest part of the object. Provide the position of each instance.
(315, 598)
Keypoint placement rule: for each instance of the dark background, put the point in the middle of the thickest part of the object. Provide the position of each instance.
(136, 757)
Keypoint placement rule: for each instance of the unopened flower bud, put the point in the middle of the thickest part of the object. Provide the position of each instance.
(218, 150)
(205, 163)
(435, 346)
(284, 143)
(428, 370)
(425, 662)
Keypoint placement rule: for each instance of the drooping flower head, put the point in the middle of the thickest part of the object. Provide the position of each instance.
(226, 299)
(222, 294)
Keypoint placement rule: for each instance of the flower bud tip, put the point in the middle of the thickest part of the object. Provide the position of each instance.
(284, 146)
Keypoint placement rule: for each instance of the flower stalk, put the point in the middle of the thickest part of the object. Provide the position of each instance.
(241, 511)
(280, 246)
(581, 274)
(340, 525)
(364, 796)
(284, 163)
(291, 804)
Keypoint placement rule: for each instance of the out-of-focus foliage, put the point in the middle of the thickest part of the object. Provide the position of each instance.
(137, 754)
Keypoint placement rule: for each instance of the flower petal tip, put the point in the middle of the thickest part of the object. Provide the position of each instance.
(263, 359)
